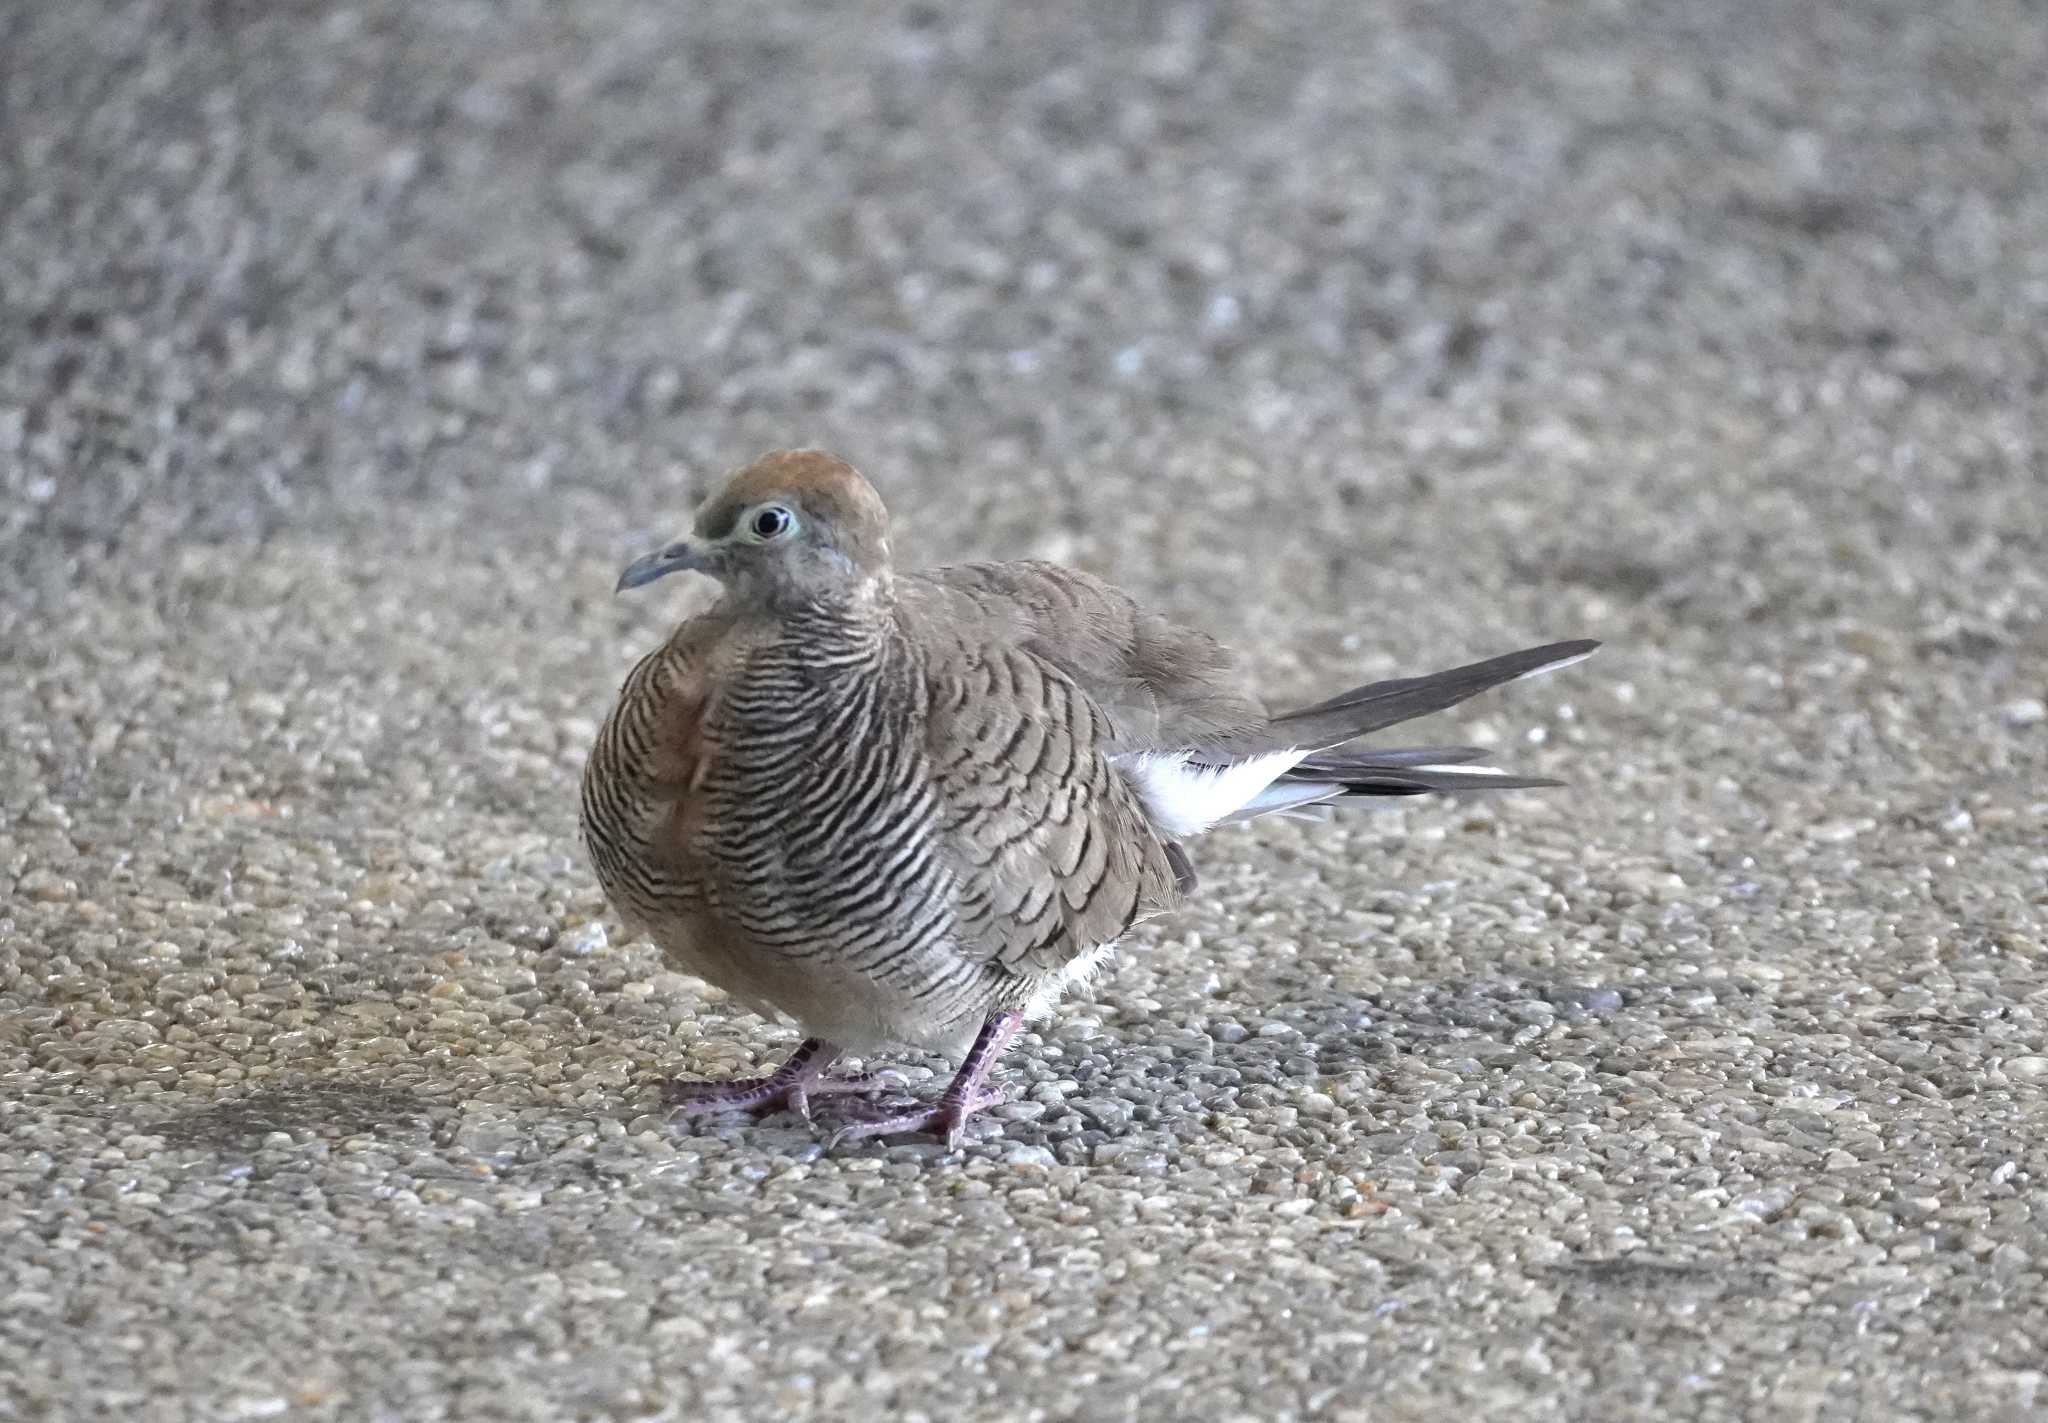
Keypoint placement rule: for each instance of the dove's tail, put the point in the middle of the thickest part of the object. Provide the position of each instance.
(1303, 765)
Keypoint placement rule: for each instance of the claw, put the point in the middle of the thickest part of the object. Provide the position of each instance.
(800, 1094)
(792, 1087)
(946, 1113)
(789, 1087)
(964, 1095)
(759, 1095)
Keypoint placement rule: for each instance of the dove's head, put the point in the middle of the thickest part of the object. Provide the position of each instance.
(794, 526)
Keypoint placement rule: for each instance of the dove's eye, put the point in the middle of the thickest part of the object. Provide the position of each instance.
(767, 524)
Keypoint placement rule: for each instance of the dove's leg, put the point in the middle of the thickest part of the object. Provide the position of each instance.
(964, 1095)
(790, 1086)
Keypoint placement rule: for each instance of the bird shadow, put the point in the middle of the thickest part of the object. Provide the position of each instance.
(321, 1107)
(1132, 1078)
(1331, 1034)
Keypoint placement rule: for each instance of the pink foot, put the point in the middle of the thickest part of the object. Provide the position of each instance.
(761, 1095)
(964, 1095)
(800, 1098)
(945, 1113)
(789, 1088)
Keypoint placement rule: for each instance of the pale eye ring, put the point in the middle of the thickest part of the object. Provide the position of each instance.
(769, 522)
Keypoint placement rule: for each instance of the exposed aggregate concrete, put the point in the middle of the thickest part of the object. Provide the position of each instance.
(347, 351)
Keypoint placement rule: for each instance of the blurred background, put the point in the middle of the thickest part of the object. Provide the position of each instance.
(348, 350)
(1640, 299)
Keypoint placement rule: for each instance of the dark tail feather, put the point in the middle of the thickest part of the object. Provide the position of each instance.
(1409, 772)
(1367, 709)
(1312, 787)
(1339, 763)
(1331, 773)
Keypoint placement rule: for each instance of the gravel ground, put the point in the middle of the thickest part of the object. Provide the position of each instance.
(347, 351)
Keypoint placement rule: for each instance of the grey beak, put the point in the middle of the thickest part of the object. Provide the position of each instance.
(659, 564)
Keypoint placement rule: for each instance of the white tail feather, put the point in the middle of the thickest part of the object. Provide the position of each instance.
(1280, 799)
(1184, 799)
(1561, 663)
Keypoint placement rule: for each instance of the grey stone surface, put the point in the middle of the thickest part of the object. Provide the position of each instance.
(346, 351)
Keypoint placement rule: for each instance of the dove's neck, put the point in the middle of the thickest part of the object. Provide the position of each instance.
(812, 703)
(837, 630)
(814, 653)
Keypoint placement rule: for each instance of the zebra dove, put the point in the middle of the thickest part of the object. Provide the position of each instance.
(914, 809)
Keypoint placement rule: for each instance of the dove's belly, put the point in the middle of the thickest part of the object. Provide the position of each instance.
(823, 996)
